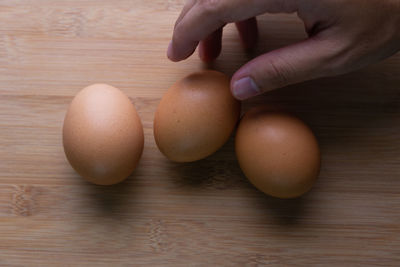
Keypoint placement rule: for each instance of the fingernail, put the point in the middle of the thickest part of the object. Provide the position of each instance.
(245, 88)
(169, 51)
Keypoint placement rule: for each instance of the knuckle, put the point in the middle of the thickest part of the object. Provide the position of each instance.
(331, 60)
(339, 61)
(285, 6)
(211, 7)
(278, 74)
(336, 67)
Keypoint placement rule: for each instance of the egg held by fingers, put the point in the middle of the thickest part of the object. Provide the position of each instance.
(196, 116)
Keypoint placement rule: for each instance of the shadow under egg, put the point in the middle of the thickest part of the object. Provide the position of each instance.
(219, 171)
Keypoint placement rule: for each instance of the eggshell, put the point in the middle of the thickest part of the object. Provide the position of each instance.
(196, 116)
(102, 135)
(277, 152)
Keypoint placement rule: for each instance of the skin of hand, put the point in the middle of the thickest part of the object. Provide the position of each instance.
(343, 35)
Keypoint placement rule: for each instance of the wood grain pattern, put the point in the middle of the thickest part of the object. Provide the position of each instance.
(167, 214)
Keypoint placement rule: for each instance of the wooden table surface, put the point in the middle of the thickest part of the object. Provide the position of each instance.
(198, 214)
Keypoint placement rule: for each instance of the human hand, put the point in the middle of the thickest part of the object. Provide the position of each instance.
(344, 35)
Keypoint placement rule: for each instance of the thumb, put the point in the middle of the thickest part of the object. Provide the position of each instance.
(302, 61)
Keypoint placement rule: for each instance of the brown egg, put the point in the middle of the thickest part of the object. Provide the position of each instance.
(278, 153)
(196, 116)
(102, 135)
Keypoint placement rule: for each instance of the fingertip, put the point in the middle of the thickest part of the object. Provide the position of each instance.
(202, 54)
(244, 88)
(178, 53)
(210, 47)
(170, 52)
(205, 54)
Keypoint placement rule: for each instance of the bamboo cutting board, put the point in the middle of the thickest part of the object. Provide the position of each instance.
(199, 214)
